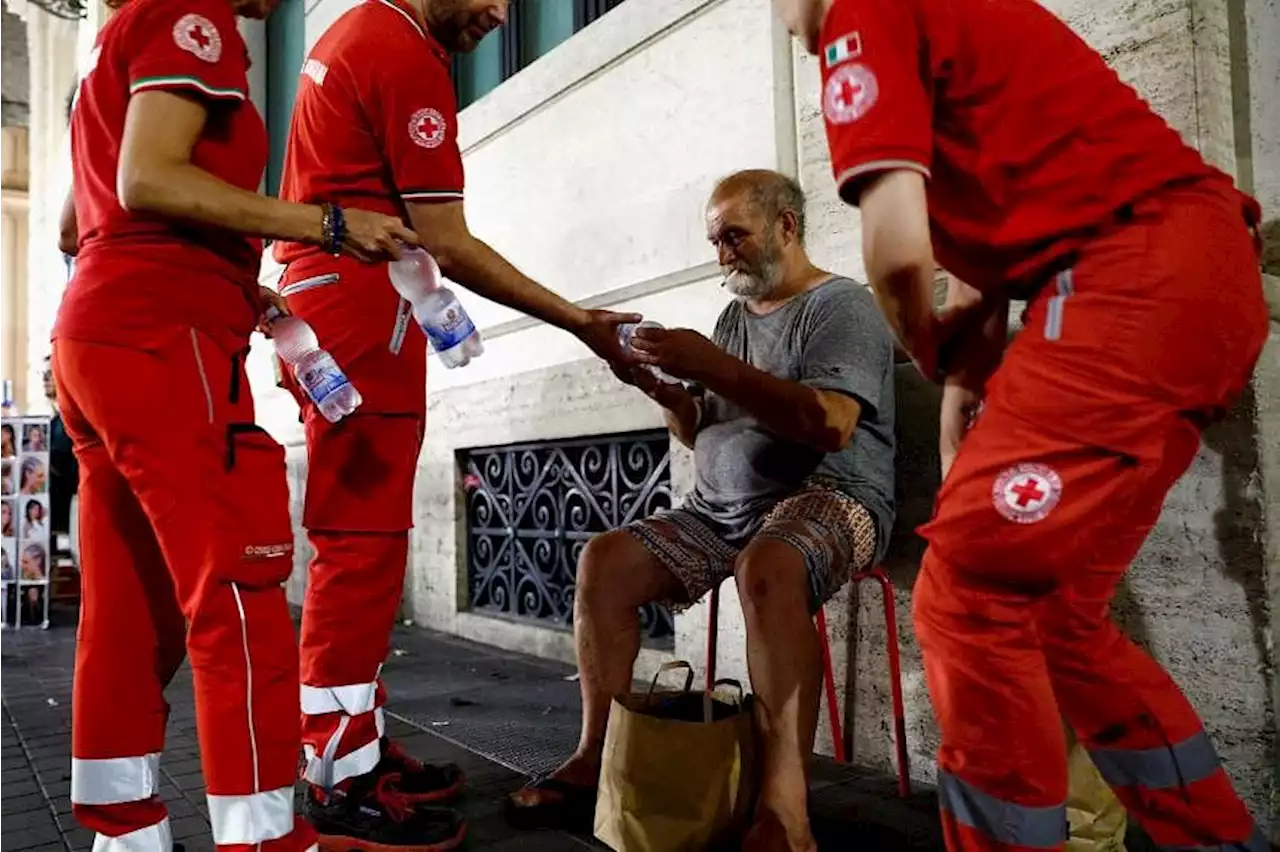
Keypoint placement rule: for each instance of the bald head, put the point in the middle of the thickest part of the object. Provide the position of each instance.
(755, 220)
(770, 193)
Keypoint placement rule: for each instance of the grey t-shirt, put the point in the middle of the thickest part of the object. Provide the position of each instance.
(834, 338)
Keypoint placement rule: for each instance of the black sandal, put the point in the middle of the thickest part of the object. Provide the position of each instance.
(571, 807)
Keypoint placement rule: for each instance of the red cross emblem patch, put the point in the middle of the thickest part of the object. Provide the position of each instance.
(427, 127)
(1026, 493)
(850, 92)
(196, 34)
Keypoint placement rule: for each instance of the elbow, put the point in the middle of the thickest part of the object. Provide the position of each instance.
(831, 428)
(449, 251)
(448, 261)
(900, 271)
(68, 242)
(138, 190)
(833, 437)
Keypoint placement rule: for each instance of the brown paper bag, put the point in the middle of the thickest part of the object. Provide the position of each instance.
(1098, 820)
(678, 773)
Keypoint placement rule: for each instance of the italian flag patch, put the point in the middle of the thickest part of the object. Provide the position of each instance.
(846, 47)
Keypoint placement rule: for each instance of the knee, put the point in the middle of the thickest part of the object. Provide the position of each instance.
(598, 575)
(771, 576)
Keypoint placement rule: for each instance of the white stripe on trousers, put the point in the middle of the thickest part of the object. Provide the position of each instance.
(352, 699)
(261, 816)
(114, 780)
(248, 820)
(325, 770)
(153, 838)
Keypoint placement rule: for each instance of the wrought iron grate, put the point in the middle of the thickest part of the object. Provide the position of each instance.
(532, 508)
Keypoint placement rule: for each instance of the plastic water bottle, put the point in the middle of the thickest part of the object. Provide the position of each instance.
(627, 330)
(452, 334)
(314, 368)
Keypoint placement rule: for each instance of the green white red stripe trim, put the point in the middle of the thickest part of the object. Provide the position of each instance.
(180, 82)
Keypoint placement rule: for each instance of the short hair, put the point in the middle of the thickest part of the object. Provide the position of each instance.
(773, 193)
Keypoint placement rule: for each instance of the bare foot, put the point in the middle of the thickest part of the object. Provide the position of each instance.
(768, 834)
(581, 769)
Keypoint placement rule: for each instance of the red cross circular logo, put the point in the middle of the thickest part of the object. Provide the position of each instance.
(850, 92)
(1026, 493)
(196, 34)
(427, 127)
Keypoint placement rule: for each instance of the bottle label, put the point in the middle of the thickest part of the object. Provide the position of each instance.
(322, 380)
(451, 328)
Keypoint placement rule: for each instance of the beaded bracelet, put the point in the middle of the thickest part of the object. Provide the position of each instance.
(333, 228)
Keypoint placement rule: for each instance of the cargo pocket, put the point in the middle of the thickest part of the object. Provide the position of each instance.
(259, 484)
(360, 473)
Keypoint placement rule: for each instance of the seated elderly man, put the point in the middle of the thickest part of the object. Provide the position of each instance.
(793, 444)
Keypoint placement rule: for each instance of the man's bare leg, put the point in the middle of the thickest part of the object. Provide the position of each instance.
(616, 576)
(784, 659)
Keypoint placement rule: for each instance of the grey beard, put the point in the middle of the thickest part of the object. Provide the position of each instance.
(747, 286)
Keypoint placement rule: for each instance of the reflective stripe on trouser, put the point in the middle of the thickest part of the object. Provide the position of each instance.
(354, 586)
(186, 541)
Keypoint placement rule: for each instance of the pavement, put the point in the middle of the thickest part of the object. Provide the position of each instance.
(503, 717)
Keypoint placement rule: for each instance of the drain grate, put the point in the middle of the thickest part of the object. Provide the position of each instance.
(530, 727)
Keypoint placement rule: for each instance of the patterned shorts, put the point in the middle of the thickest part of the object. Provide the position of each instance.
(834, 533)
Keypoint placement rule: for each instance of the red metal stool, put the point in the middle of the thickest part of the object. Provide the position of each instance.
(828, 675)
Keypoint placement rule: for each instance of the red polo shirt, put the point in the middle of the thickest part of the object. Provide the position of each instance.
(1028, 138)
(139, 276)
(375, 126)
(375, 122)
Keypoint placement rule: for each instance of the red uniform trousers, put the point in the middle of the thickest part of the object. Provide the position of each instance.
(184, 518)
(1093, 416)
(359, 507)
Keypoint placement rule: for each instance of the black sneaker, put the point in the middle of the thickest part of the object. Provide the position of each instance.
(421, 783)
(372, 815)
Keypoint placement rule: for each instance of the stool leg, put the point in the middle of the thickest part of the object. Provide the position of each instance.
(829, 681)
(713, 630)
(895, 679)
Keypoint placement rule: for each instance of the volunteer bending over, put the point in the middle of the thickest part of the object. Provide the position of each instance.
(1145, 317)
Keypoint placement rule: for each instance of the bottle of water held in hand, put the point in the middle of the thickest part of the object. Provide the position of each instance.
(453, 335)
(316, 371)
(627, 330)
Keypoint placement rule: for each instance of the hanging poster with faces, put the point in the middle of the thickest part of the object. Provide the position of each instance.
(24, 521)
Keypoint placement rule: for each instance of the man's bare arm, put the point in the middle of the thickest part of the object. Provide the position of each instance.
(684, 418)
(474, 264)
(899, 260)
(471, 262)
(976, 352)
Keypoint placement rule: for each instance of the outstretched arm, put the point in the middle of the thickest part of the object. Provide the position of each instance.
(474, 264)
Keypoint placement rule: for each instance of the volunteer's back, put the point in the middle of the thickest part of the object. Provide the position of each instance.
(1030, 140)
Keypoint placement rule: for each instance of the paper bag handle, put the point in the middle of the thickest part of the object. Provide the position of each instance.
(737, 684)
(670, 667)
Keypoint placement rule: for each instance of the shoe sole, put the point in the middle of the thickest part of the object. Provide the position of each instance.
(436, 796)
(339, 843)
